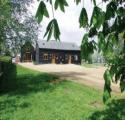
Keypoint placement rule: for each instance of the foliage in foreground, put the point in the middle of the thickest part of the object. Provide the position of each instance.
(108, 26)
(40, 96)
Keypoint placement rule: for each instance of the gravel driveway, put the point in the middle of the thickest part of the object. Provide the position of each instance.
(88, 76)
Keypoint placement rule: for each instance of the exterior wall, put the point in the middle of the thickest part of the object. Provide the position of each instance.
(59, 56)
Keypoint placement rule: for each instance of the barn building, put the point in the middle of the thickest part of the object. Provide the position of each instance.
(51, 52)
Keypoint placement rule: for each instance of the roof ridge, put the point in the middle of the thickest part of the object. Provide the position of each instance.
(58, 45)
(56, 41)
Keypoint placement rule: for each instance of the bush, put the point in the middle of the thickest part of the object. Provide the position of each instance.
(7, 73)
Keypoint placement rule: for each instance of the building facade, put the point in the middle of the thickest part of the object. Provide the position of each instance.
(52, 52)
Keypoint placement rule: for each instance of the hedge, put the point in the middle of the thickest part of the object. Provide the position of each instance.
(7, 73)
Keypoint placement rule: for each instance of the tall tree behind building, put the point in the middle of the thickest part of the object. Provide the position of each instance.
(20, 28)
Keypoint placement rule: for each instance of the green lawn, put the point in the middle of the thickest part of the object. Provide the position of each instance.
(39, 96)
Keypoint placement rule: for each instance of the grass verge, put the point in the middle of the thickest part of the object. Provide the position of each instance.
(40, 96)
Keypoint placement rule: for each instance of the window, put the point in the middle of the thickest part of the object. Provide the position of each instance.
(45, 56)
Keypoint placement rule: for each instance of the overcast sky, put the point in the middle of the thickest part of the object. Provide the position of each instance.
(68, 21)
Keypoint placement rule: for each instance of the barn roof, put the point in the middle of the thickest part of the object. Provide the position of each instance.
(58, 45)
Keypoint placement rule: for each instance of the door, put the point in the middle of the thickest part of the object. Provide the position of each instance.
(53, 59)
(70, 59)
(27, 57)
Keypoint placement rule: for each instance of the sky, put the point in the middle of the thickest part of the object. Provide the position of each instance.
(68, 21)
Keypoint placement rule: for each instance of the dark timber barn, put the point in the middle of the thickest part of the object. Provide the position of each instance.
(51, 52)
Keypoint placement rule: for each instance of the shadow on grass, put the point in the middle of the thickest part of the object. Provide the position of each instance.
(11, 105)
(29, 83)
(115, 110)
(33, 83)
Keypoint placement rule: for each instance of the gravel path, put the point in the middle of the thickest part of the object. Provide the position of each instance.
(88, 76)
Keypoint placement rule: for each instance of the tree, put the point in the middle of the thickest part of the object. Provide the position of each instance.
(20, 32)
(20, 27)
(5, 15)
(108, 26)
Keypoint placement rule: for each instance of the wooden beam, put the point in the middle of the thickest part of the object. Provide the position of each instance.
(53, 59)
(70, 59)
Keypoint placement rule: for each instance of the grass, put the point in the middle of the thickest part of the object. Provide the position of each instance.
(40, 96)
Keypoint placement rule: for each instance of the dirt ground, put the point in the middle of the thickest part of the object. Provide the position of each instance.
(89, 76)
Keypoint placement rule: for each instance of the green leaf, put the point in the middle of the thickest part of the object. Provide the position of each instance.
(97, 18)
(122, 85)
(107, 87)
(101, 42)
(65, 3)
(108, 79)
(49, 30)
(92, 32)
(50, 33)
(77, 1)
(113, 39)
(39, 14)
(87, 48)
(50, 1)
(56, 4)
(94, 1)
(84, 46)
(118, 75)
(56, 30)
(121, 11)
(61, 4)
(106, 28)
(83, 19)
(106, 95)
(111, 10)
(85, 38)
(46, 12)
(113, 71)
(52, 28)
(41, 11)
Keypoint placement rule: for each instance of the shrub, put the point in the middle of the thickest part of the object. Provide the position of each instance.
(7, 73)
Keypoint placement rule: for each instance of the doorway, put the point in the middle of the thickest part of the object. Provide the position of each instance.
(70, 59)
(27, 57)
